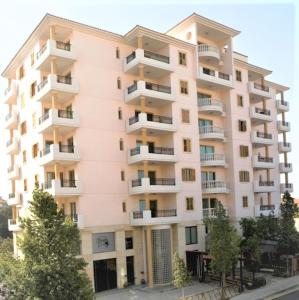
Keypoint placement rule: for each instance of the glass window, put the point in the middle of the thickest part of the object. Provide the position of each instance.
(188, 174)
(191, 235)
(182, 59)
(189, 203)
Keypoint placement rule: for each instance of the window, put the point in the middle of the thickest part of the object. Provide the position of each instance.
(33, 120)
(25, 185)
(33, 89)
(32, 58)
(129, 243)
(182, 58)
(189, 203)
(242, 126)
(35, 150)
(238, 75)
(23, 128)
(117, 52)
(184, 87)
(21, 72)
(188, 174)
(240, 100)
(121, 144)
(244, 151)
(120, 113)
(122, 175)
(185, 116)
(187, 145)
(24, 154)
(245, 201)
(23, 102)
(244, 176)
(124, 207)
(118, 83)
(191, 235)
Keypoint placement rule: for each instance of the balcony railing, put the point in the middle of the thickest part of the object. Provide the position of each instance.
(266, 183)
(67, 114)
(208, 71)
(44, 117)
(223, 76)
(209, 102)
(261, 87)
(63, 46)
(262, 111)
(64, 79)
(67, 183)
(210, 129)
(213, 184)
(207, 48)
(41, 51)
(8, 116)
(152, 118)
(265, 159)
(42, 84)
(211, 72)
(158, 87)
(267, 207)
(264, 135)
(154, 150)
(132, 88)
(156, 56)
(67, 148)
(155, 181)
(131, 57)
(136, 182)
(211, 157)
(156, 214)
(11, 195)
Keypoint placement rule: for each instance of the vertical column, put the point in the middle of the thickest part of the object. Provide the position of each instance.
(284, 136)
(149, 253)
(121, 258)
(51, 32)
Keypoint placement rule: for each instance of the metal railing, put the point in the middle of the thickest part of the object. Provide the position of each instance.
(286, 165)
(284, 103)
(213, 184)
(136, 182)
(133, 120)
(41, 51)
(285, 123)
(288, 185)
(156, 56)
(261, 87)
(266, 183)
(42, 84)
(223, 76)
(265, 159)
(67, 148)
(135, 151)
(211, 157)
(162, 181)
(207, 48)
(264, 135)
(64, 79)
(164, 213)
(209, 102)
(11, 195)
(130, 57)
(161, 150)
(208, 71)
(159, 119)
(267, 207)
(48, 184)
(70, 183)
(157, 87)
(9, 142)
(10, 169)
(137, 214)
(262, 111)
(132, 88)
(45, 151)
(7, 90)
(66, 114)
(63, 46)
(43, 118)
(8, 116)
(210, 129)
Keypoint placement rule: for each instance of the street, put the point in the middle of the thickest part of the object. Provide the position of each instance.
(291, 296)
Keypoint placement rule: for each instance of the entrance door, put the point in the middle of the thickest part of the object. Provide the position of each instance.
(151, 147)
(130, 270)
(105, 274)
(153, 207)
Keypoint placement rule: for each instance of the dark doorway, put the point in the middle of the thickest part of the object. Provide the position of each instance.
(151, 147)
(130, 270)
(153, 208)
(152, 177)
(105, 277)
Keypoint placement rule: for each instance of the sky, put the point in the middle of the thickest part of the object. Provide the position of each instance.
(269, 36)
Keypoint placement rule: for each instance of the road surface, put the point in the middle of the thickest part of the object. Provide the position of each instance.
(291, 296)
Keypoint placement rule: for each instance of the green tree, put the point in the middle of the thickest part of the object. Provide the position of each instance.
(5, 214)
(288, 241)
(223, 244)
(49, 268)
(181, 276)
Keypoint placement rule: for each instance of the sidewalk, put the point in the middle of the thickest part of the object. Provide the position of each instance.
(270, 290)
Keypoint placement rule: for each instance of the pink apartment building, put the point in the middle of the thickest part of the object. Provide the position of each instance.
(136, 136)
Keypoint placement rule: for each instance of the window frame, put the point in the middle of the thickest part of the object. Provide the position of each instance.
(189, 236)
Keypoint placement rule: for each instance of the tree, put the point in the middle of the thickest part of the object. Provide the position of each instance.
(288, 241)
(49, 268)
(181, 276)
(223, 244)
(5, 214)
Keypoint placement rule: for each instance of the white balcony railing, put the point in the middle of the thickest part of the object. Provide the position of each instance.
(212, 159)
(210, 106)
(211, 212)
(205, 50)
(13, 225)
(211, 132)
(63, 188)
(266, 210)
(214, 187)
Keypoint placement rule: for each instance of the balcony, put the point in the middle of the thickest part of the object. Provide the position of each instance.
(13, 225)
(211, 212)
(13, 172)
(214, 79)
(12, 146)
(64, 119)
(282, 106)
(212, 160)
(159, 217)
(63, 53)
(260, 139)
(154, 94)
(154, 64)
(211, 133)
(266, 210)
(156, 125)
(286, 187)
(64, 154)
(63, 87)
(210, 106)
(63, 188)
(259, 115)
(263, 186)
(153, 185)
(259, 90)
(214, 187)
(283, 126)
(284, 147)
(11, 93)
(11, 120)
(209, 53)
(14, 199)
(151, 154)
(262, 162)
(285, 168)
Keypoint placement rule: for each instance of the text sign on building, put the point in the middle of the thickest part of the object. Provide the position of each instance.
(103, 242)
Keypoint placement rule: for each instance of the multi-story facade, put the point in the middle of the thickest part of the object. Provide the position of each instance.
(137, 136)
